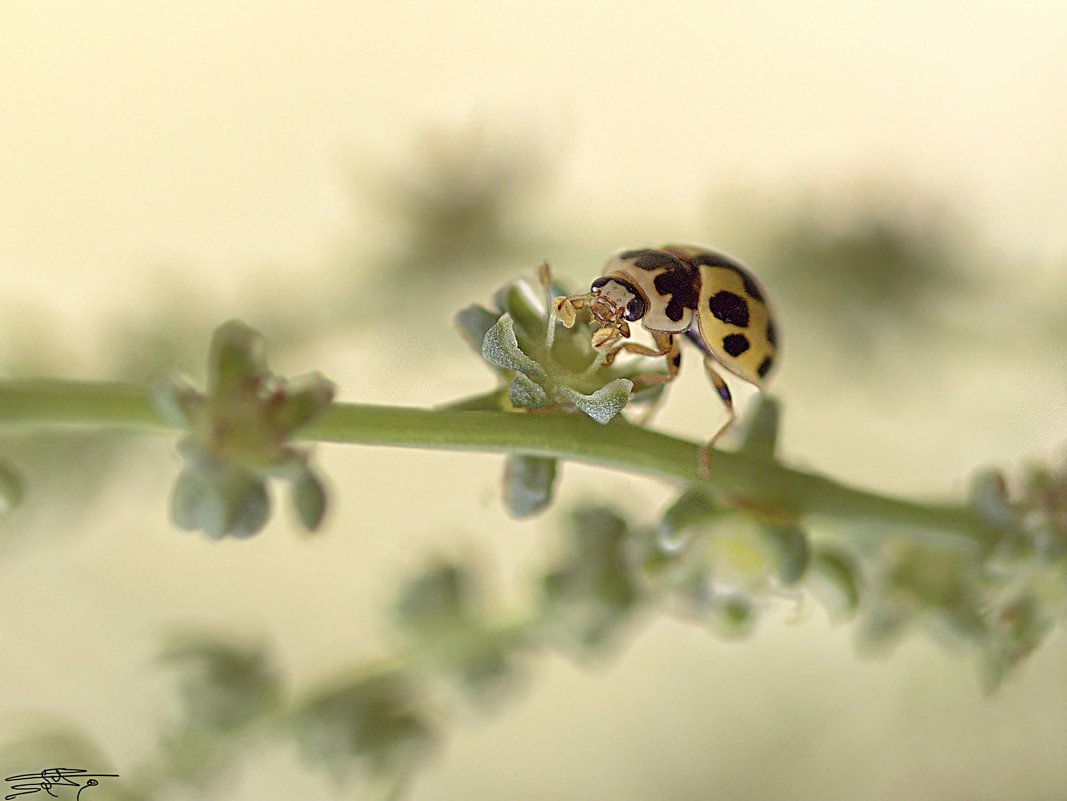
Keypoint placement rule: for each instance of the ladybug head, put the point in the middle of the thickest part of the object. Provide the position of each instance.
(616, 298)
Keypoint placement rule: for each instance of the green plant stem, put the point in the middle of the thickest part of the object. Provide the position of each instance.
(52, 403)
(762, 485)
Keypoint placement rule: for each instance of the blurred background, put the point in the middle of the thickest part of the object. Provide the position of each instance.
(346, 176)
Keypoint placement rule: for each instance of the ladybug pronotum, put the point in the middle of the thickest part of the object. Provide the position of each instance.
(675, 290)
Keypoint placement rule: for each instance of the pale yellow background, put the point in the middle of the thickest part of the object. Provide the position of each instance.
(226, 145)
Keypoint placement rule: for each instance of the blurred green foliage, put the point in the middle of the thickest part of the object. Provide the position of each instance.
(239, 436)
(373, 722)
(225, 685)
(460, 201)
(874, 271)
(720, 567)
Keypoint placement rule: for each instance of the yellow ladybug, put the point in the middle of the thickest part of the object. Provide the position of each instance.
(681, 289)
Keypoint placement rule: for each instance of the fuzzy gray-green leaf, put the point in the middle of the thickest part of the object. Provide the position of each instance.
(523, 393)
(529, 483)
(220, 502)
(309, 499)
(473, 323)
(603, 404)
(500, 347)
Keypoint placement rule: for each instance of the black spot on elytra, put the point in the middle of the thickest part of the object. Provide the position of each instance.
(772, 333)
(747, 281)
(710, 259)
(682, 283)
(729, 308)
(649, 259)
(735, 344)
(765, 366)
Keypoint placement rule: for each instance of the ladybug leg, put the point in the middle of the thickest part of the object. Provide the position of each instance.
(662, 349)
(665, 346)
(723, 392)
(668, 345)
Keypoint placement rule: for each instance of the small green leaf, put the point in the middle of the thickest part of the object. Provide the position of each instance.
(248, 506)
(220, 501)
(937, 579)
(529, 482)
(519, 299)
(224, 684)
(761, 433)
(594, 588)
(238, 353)
(436, 599)
(735, 614)
(309, 499)
(526, 307)
(486, 664)
(791, 551)
(190, 491)
(840, 574)
(473, 323)
(441, 608)
(525, 394)
(501, 348)
(239, 436)
(374, 720)
(177, 400)
(1016, 630)
(691, 508)
(885, 619)
(11, 491)
(989, 497)
(603, 404)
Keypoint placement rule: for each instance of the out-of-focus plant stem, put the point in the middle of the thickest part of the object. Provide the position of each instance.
(763, 486)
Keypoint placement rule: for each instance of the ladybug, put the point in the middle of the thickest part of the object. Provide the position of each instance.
(679, 290)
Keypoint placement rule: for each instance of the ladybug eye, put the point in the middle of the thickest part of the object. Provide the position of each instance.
(599, 283)
(636, 308)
